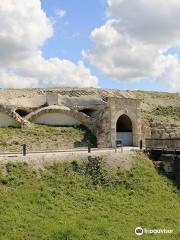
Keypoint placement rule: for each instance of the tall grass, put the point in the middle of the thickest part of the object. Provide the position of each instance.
(42, 137)
(84, 200)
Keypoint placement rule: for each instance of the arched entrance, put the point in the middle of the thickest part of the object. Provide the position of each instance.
(124, 130)
(22, 112)
(88, 111)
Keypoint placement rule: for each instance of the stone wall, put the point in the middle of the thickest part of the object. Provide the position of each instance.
(115, 108)
(145, 130)
(159, 130)
(73, 102)
(103, 129)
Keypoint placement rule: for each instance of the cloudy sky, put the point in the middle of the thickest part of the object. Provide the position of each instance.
(94, 43)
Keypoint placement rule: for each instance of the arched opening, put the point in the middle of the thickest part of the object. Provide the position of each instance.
(88, 111)
(22, 112)
(124, 130)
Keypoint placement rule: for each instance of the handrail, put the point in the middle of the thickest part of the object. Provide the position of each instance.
(163, 143)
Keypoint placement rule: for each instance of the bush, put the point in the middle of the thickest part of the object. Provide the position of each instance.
(167, 111)
(96, 171)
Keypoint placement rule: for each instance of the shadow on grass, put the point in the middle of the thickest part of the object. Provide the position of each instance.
(88, 136)
(173, 176)
(66, 234)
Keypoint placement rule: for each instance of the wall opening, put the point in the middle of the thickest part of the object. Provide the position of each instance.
(88, 111)
(124, 130)
(22, 112)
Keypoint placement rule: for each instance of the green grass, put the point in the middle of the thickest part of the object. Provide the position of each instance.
(84, 201)
(155, 94)
(163, 114)
(160, 106)
(40, 137)
(167, 111)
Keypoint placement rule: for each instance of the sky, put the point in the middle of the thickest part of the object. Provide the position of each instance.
(120, 44)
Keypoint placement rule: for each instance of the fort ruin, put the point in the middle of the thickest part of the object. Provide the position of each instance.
(110, 114)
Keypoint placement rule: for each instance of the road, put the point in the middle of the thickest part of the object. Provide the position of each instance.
(42, 159)
(69, 151)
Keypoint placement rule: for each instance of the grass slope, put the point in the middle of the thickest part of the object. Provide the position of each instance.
(83, 201)
(156, 94)
(40, 137)
(160, 106)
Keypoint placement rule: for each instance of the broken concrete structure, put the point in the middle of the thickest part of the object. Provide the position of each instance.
(110, 114)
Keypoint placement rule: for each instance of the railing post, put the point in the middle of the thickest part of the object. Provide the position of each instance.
(24, 149)
(119, 144)
(141, 144)
(89, 146)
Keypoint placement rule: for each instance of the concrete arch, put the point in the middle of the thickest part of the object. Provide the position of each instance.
(46, 114)
(8, 117)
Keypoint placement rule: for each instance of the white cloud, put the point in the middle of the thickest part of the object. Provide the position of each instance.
(24, 29)
(55, 72)
(60, 13)
(155, 21)
(131, 44)
(169, 72)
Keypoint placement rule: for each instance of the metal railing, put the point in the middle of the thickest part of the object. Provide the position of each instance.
(168, 143)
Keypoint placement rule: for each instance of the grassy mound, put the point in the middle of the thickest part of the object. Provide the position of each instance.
(41, 137)
(160, 106)
(84, 201)
(163, 113)
(156, 94)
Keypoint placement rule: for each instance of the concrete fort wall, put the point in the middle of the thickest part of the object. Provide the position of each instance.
(6, 120)
(56, 119)
(80, 102)
(62, 109)
(115, 108)
(28, 102)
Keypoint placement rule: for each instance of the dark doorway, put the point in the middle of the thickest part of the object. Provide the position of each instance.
(88, 111)
(124, 130)
(22, 112)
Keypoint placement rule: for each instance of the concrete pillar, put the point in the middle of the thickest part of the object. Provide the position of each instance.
(113, 137)
(136, 139)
